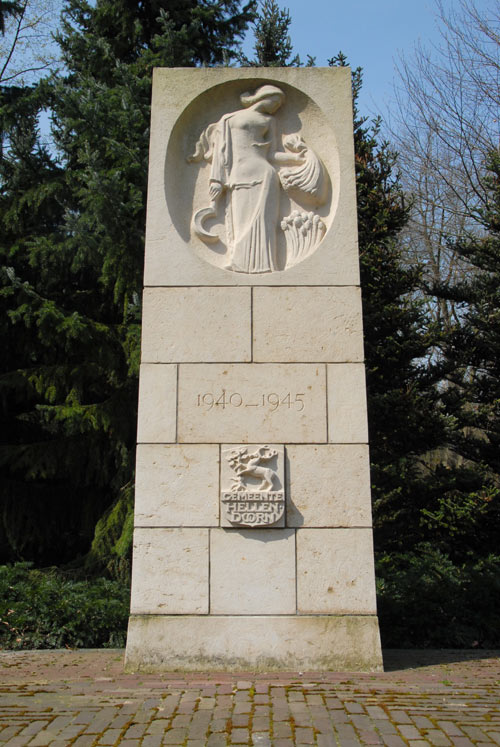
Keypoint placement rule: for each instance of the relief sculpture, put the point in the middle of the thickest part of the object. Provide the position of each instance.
(255, 496)
(248, 173)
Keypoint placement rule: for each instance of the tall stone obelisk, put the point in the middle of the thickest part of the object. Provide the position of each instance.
(253, 537)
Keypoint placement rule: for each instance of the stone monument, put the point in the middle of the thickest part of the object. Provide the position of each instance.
(253, 538)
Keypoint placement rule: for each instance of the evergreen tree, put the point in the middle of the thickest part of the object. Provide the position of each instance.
(72, 249)
(273, 45)
(8, 8)
(404, 417)
(472, 391)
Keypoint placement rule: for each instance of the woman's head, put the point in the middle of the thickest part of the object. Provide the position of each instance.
(272, 96)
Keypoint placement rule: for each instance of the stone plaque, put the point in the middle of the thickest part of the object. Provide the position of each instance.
(250, 403)
(252, 486)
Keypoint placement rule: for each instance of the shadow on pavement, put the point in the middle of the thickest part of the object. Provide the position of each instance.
(398, 659)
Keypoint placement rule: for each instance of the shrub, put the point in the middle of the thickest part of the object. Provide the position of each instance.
(46, 609)
(427, 600)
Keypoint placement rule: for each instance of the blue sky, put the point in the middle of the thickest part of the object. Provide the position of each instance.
(370, 32)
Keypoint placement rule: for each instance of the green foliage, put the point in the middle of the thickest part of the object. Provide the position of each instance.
(404, 416)
(427, 600)
(43, 609)
(9, 8)
(71, 251)
(112, 543)
(273, 45)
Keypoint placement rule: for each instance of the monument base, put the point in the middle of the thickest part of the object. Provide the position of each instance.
(161, 643)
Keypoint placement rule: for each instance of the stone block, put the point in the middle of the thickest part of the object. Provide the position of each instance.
(184, 103)
(170, 571)
(328, 485)
(307, 324)
(252, 571)
(196, 324)
(252, 403)
(251, 643)
(347, 418)
(177, 485)
(335, 572)
(157, 404)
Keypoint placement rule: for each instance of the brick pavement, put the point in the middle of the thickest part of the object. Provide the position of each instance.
(83, 698)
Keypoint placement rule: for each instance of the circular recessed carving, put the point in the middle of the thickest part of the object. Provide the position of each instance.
(251, 176)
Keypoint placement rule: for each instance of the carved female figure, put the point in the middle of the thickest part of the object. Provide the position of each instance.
(240, 147)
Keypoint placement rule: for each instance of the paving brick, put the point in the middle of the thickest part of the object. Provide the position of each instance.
(263, 740)
(261, 698)
(85, 740)
(113, 735)
(216, 740)
(32, 729)
(240, 736)
(384, 727)
(174, 736)
(402, 707)
(437, 738)
(409, 732)
(326, 740)
(450, 728)
(354, 708)
(392, 740)
(400, 717)
(242, 708)
(241, 720)
(206, 704)
(304, 736)
(345, 732)
(9, 732)
(219, 724)
(260, 723)
(369, 737)
(475, 733)
(135, 731)
(361, 722)
(422, 722)
(282, 730)
(152, 740)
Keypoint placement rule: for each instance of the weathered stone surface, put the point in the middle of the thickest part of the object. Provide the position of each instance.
(307, 324)
(241, 403)
(265, 643)
(177, 485)
(157, 404)
(170, 571)
(196, 324)
(252, 571)
(335, 573)
(347, 420)
(328, 485)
